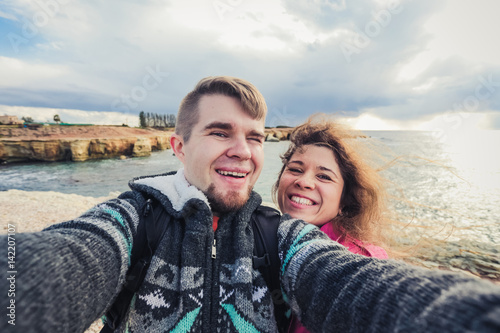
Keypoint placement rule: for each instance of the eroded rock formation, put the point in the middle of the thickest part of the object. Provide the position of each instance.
(77, 144)
(79, 149)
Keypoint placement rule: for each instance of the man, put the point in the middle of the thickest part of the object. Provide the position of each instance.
(201, 278)
(221, 147)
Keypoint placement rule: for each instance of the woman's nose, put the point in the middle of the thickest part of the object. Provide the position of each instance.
(305, 181)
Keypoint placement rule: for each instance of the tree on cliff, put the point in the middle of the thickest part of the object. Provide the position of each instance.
(57, 119)
(27, 119)
(142, 119)
(156, 120)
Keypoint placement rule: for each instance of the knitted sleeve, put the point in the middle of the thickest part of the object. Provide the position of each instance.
(333, 290)
(67, 275)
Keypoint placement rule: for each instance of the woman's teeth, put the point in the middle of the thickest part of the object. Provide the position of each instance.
(302, 201)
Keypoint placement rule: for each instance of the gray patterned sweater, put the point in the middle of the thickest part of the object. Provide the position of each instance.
(69, 274)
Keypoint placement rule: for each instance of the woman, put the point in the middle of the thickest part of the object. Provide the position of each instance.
(325, 182)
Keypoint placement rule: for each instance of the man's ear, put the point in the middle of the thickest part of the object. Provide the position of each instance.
(177, 144)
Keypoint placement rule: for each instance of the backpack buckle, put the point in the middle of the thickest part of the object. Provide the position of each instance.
(261, 261)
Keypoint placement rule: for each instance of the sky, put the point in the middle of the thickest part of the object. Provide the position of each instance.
(378, 65)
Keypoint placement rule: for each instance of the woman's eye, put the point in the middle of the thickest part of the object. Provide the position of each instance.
(294, 170)
(324, 177)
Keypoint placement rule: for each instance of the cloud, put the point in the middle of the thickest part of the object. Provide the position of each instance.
(305, 56)
(70, 115)
(18, 73)
(7, 16)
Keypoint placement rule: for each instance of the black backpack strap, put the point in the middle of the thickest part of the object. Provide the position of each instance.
(150, 231)
(265, 221)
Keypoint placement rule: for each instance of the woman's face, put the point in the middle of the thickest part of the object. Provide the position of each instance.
(311, 185)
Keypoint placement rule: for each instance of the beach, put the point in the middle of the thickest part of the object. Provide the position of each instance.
(34, 211)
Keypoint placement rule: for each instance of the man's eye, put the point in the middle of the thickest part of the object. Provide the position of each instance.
(219, 134)
(256, 139)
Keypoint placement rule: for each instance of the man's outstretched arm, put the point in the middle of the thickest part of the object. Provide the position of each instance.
(67, 275)
(333, 290)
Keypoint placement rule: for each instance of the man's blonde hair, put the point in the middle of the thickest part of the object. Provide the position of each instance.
(251, 100)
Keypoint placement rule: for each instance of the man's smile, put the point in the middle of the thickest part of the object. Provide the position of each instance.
(234, 174)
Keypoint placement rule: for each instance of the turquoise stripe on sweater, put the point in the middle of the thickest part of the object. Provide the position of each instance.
(126, 237)
(295, 248)
(187, 322)
(239, 322)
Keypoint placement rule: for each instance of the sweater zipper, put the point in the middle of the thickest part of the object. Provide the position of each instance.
(214, 250)
(213, 306)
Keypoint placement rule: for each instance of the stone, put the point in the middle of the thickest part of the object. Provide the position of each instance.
(79, 150)
(142, 147)
(271, 138)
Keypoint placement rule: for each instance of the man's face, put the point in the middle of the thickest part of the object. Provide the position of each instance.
(224, 155)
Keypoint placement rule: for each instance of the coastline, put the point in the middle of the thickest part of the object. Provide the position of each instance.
(79, 143)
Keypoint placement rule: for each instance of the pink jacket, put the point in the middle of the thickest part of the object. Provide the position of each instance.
(353, 245)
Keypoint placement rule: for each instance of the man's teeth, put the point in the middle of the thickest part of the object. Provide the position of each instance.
(232, 173)
(302, 201)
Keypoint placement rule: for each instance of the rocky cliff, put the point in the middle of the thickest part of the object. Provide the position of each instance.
(278, 134)
(78, 143)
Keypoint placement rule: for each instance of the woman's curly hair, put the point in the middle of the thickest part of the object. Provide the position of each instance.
(363, 200)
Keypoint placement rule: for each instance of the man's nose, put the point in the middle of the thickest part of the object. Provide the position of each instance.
(240, 149)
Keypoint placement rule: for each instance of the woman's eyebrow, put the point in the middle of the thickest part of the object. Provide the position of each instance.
(322, 168)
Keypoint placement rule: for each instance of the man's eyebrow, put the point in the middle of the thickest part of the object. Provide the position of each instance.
(218, 125)
(229, 126)
(257, 133)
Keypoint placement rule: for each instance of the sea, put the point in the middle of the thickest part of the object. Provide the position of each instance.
(450, 183)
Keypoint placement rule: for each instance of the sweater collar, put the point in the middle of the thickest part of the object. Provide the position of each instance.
(178, 191)
(172, 185)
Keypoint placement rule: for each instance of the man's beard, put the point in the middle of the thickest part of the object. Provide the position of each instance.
(230, 202)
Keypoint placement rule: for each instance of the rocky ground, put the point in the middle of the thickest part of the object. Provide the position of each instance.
(34, 211)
